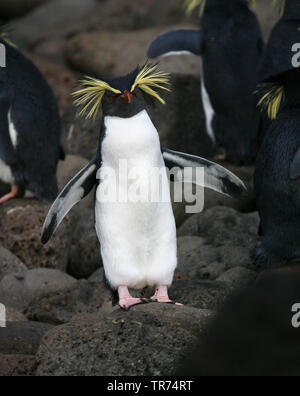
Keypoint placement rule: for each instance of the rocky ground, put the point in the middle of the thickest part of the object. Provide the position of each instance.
(60, 315)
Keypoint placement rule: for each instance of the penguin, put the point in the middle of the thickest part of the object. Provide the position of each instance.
(277, 173)
(138, 238)
(29, 128)
(230, 43)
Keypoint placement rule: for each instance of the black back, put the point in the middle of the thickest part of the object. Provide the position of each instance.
(36, 118)
(278, 194)
(233, 46)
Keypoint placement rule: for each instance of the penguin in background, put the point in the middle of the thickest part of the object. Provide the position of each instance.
(29, 128)
(230, 43)
(277, 174)
(138, 238)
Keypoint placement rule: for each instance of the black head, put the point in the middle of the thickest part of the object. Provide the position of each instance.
(127, 103)
(123, 96)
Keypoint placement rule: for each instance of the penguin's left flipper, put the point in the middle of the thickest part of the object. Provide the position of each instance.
(78, 188)
(177, 42)
(216, 177)
(295, 166)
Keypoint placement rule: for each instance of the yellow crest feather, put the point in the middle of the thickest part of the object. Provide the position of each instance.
(280, 6)
(90, 95)
(273, 94)
(5, 37)
(149, 78)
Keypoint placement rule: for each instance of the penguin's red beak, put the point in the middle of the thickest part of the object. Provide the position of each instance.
(127, 97)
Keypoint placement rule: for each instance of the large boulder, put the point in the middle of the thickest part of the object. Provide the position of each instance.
(17, 365)
(18, 291)
(147, 340)
(114, 54)
(61, 306)
(212, 242)
(22, 338)
(21, 223)
(9, 264)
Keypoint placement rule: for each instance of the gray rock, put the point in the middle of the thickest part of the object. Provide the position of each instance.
(9, 263)
(21, 222)
(56, 18)
(239, 276)
(17, 366)
(61, 306)
(13, 315)
(147, 340)
(22, 337)
(85, 256)
(200, 294)
(97, 276)
(116, 46)
(18, 291)
(230, 239)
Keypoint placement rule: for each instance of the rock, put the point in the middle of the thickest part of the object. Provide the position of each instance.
(21, 223)
(17, 291)
(68, 168)
(147, 340)
(59, 307)
(85, 256)
(17, 8)
(200, 294)
(22, 338)
(61, 79)
(230, 240)
(13, 315)
(85, 53)
(97, 276)
(56, 18)
(9, 264)
(17, 366)
(74, 127)
(239, 276)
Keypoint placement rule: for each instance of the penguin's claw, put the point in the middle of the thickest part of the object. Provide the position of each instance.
(165, 300)
(128, 302)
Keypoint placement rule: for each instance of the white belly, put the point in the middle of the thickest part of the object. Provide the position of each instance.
(5, 173)
(138, 239)
(209, 111)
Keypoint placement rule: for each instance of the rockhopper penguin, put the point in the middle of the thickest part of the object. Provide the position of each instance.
(277, 175)
(29, 128)
(231, 44)
(138, 238)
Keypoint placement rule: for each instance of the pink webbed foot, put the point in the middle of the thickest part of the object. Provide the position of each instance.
(11, 195)
(126, 301)
(161, 296)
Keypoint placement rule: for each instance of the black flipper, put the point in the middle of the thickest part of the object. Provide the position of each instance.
(295, 166)
(177, 41)
(216, 177)
(78, 188)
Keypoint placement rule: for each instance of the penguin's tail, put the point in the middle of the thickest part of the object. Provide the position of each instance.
(177, 42)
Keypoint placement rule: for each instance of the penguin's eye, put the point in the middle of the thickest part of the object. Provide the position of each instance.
(136, 93)
(111, 98)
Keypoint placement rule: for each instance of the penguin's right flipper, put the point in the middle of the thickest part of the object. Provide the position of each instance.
(78, 188)
(176, 42)
(7, 151)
